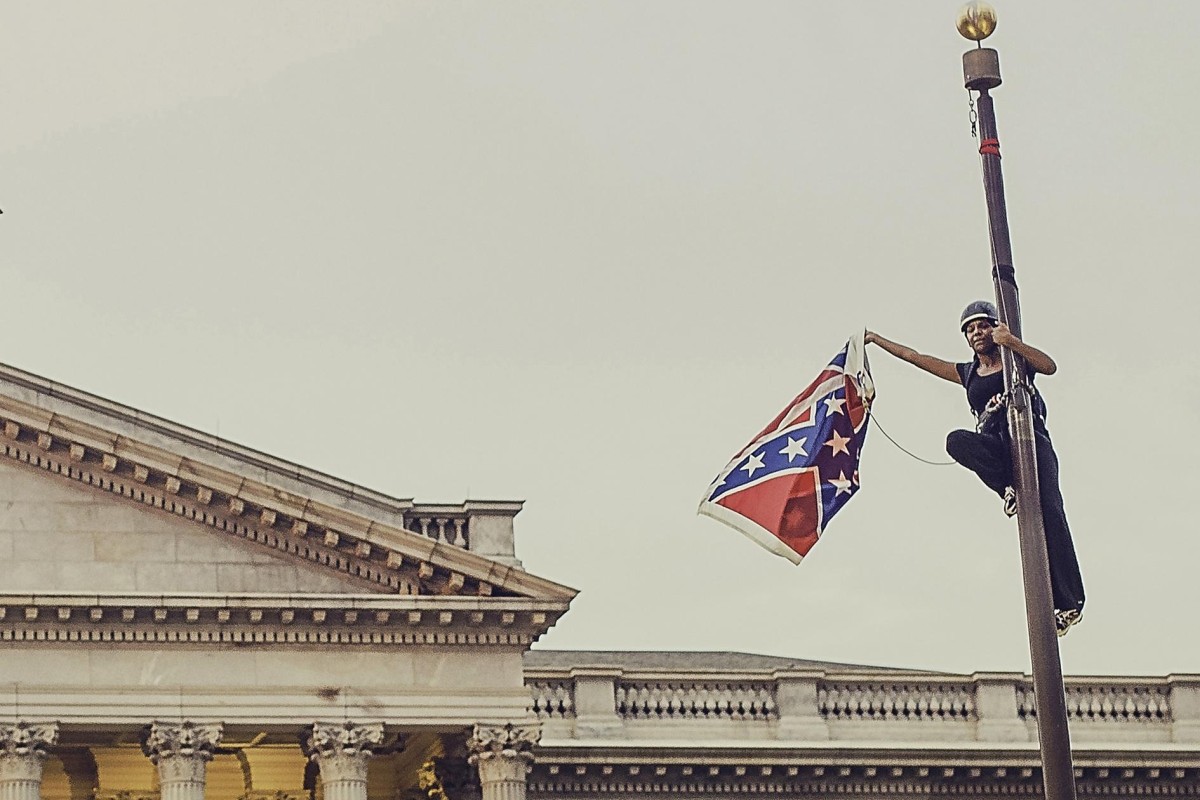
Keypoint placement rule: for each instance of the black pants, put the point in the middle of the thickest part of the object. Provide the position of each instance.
(989, 457)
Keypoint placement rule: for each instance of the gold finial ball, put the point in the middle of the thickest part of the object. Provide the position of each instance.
(976, 21)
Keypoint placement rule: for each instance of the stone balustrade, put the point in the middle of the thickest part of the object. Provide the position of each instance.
(552, 698)
(691, 699)
(445, 526)
(583, 702)
(1108, 701)
(484, 527)
(857, 700)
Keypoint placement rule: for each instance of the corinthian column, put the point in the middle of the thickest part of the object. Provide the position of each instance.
(22, 750)
(503, 755)
(181, 751)
(341, 751)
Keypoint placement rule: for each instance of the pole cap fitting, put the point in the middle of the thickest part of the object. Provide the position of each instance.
(981, 69)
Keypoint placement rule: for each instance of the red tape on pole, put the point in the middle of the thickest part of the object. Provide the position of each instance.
(990, 147)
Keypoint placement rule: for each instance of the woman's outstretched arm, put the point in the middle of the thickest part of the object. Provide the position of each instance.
(931, 364)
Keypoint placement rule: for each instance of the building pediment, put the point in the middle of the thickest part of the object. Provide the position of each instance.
(341, 538)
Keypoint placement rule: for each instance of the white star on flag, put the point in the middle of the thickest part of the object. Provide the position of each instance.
(838, 443)
(841, 483)
(754, 462)
(833, 405)
(794, 448)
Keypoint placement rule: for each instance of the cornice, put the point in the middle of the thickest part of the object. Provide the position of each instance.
(376, 551)
(274, 619)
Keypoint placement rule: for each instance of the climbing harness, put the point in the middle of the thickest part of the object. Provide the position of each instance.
(998, 403)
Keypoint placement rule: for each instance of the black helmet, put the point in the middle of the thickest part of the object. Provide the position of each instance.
(980, 309)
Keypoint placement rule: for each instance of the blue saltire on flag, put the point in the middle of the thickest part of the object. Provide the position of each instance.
(782, 489)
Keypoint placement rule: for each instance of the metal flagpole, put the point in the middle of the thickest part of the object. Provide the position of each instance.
(981, 73)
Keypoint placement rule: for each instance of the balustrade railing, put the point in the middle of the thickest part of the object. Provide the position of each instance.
(552, 699)
(844, 705)
(1112, 702)
(448, 525)
(889, 700)
(678, 700)
(481, 526)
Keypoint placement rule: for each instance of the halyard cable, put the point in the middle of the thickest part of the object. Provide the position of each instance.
(909, 452)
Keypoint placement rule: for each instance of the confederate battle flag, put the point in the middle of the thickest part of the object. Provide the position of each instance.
(782, 489)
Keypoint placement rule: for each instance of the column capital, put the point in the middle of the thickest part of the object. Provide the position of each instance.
(181, 751)
(502, 754)
(328, 739)
(341, 750)
(510, 741)
(187, 740)
(23, 747)
(24, 739)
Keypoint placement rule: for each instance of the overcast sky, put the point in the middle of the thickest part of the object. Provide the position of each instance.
(578, 253)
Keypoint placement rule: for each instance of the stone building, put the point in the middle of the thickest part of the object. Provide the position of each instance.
(182, 617)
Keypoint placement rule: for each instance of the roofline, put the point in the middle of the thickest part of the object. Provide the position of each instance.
(123, 413)
(585, 660)
(55, 408)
